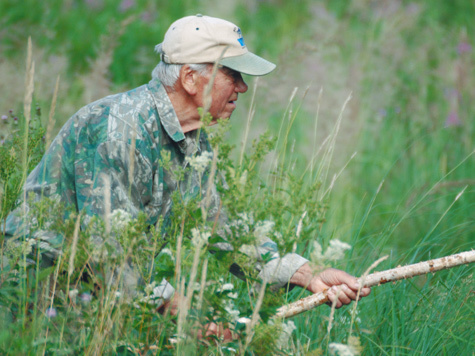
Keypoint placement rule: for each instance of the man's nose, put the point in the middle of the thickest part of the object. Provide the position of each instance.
(241, 86)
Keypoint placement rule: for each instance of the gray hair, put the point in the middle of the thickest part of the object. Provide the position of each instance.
(168, 74)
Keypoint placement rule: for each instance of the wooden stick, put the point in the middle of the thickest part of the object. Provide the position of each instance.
(378, 278)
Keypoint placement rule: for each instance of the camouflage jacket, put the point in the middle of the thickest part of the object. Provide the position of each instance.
(118, 142)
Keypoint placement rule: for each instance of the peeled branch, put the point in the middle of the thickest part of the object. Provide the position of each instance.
(378, 278)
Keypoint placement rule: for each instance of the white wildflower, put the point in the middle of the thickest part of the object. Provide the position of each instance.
(352, 349)
(242, 224)
(243, 320)
(316, 255)
(247, 218)
(199, 163)
(287, 329)
(233, 295)
(72, 294)
(243, 181)
(336, 250)
(340, 349)
(167, 251)
(117, 294)
(119, 219)
(230, 349)
(199, 238)
(233, 313)
(150, 287)
(263, 228)
(226, 287)
(278, 237)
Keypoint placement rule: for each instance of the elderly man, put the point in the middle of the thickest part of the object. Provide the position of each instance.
(116, 144)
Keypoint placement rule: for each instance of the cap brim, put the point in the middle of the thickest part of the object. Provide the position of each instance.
(248, 63)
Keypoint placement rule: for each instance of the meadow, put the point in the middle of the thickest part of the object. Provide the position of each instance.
(360, 144)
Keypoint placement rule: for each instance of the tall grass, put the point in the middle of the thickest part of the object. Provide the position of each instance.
(410, 73)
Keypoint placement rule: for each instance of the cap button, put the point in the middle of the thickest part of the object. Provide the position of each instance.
(199, 15)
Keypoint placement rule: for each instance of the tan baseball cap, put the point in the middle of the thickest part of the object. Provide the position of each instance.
(202, 39)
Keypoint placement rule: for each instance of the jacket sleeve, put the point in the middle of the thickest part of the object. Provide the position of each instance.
(277, 271)
(274, 269)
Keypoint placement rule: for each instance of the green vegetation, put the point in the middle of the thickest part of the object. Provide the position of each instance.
(409, 66)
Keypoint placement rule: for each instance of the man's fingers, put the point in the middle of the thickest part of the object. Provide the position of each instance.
(332, 296)
(332, 276)
(351, 294)
(216, 329)
(365, 292)
(344, 294)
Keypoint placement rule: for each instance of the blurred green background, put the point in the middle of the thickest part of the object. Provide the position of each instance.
(408, 66)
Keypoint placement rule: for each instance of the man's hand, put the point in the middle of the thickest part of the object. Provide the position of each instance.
(208, 331)
(171, 306)
(337, 282)
(217, 330)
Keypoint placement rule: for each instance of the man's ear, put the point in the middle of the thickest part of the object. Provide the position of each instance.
(189, 80)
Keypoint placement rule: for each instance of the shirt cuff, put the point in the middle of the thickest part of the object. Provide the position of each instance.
(279, 271)
(162, 293)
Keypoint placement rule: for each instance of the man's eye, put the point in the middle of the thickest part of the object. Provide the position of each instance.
(235, 75)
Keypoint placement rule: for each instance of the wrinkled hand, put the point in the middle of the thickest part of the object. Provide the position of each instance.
(208, 331)
(171, 306)
(342, 287)
(217, 330)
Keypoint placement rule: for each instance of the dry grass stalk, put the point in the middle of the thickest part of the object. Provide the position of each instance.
(56, 273)
(208, 88)
(74, 245)
(315, 137)
(332, 315)
(29, 88)
(108, 203)
(255, 315)
(181, 312)
(51, 120)
(363, 279)
(73, 251)
(186, 305)
(178, 252)
(328, 154)
(250, 116)
(205, 206)
(132, 158)
(378, 278)
(204, 272)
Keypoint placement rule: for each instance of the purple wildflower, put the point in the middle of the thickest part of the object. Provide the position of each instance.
(51, 312)
(147, 16)
(452, 119)
(451, 93)
(126, 5)
(4, 117)
(464, 47)
(85, 297)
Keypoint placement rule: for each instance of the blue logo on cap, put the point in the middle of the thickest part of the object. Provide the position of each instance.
(240, 39)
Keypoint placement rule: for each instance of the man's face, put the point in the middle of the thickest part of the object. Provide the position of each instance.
(226, 86)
